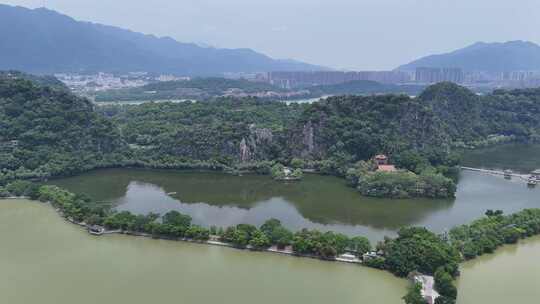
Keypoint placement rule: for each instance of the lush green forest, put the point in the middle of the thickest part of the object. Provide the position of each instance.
(42, 80)
(222, 134)
(208, 88)
(197, 88)
(487, 234)
(48, 131)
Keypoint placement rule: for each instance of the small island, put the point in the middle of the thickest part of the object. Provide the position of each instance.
(379, 178)
(283, 173)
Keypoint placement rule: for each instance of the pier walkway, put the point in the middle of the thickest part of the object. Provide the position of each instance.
(524, 177)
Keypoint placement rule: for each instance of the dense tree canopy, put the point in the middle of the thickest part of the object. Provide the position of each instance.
(198, 88)
(47, 131)
(418, 249)
(487, 234)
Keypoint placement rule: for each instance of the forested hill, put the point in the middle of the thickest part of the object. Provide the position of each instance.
(459, 109)
(45, 41)
(444, 116)
(340, 130)
(46, 131)
(42, 80)
(352, 128)
(206, 88)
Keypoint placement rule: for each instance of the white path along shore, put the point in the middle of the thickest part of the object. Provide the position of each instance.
(214, 239)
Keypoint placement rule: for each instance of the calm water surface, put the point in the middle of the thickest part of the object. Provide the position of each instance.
(320, 202)
(511, 275)
(45, 260)
(518, 157)
(59, 263)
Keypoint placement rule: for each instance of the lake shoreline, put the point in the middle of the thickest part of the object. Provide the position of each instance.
(139, 270)
(212, 242)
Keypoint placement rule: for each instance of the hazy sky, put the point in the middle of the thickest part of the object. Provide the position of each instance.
(345, 34)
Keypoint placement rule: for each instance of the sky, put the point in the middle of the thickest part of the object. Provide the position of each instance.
(342, 34)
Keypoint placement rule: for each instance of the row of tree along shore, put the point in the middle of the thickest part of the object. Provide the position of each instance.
(414, 249)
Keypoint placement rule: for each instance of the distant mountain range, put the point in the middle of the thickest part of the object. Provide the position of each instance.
(44, 41)
(481, 56)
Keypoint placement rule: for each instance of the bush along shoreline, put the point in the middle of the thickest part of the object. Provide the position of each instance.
(79, 209)
(414, 250)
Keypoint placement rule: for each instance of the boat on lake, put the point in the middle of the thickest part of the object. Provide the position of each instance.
(536, 175)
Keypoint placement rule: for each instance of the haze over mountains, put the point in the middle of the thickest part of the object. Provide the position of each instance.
(489, 57)
(44, 41)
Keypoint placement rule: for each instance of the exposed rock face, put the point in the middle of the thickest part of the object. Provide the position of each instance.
(306, 141)
(248, 144)
(245, 152)
(256, 145)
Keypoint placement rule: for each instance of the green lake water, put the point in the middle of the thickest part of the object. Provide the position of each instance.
(511, 275)
(320, 202)
(45, 260)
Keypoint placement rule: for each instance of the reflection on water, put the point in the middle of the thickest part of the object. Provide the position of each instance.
(321, 202)
(143, 198)
(46, 261)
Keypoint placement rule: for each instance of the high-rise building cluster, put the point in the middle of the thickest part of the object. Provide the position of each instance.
(312, 78)
(434, 75)
(421, 75)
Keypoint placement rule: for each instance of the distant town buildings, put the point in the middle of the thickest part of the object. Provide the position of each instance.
(88, 83)
(299, 81)
(312, 78)
(422, 75)
(512, 79)
(171, 78)
(434, 75)
(523, 79)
